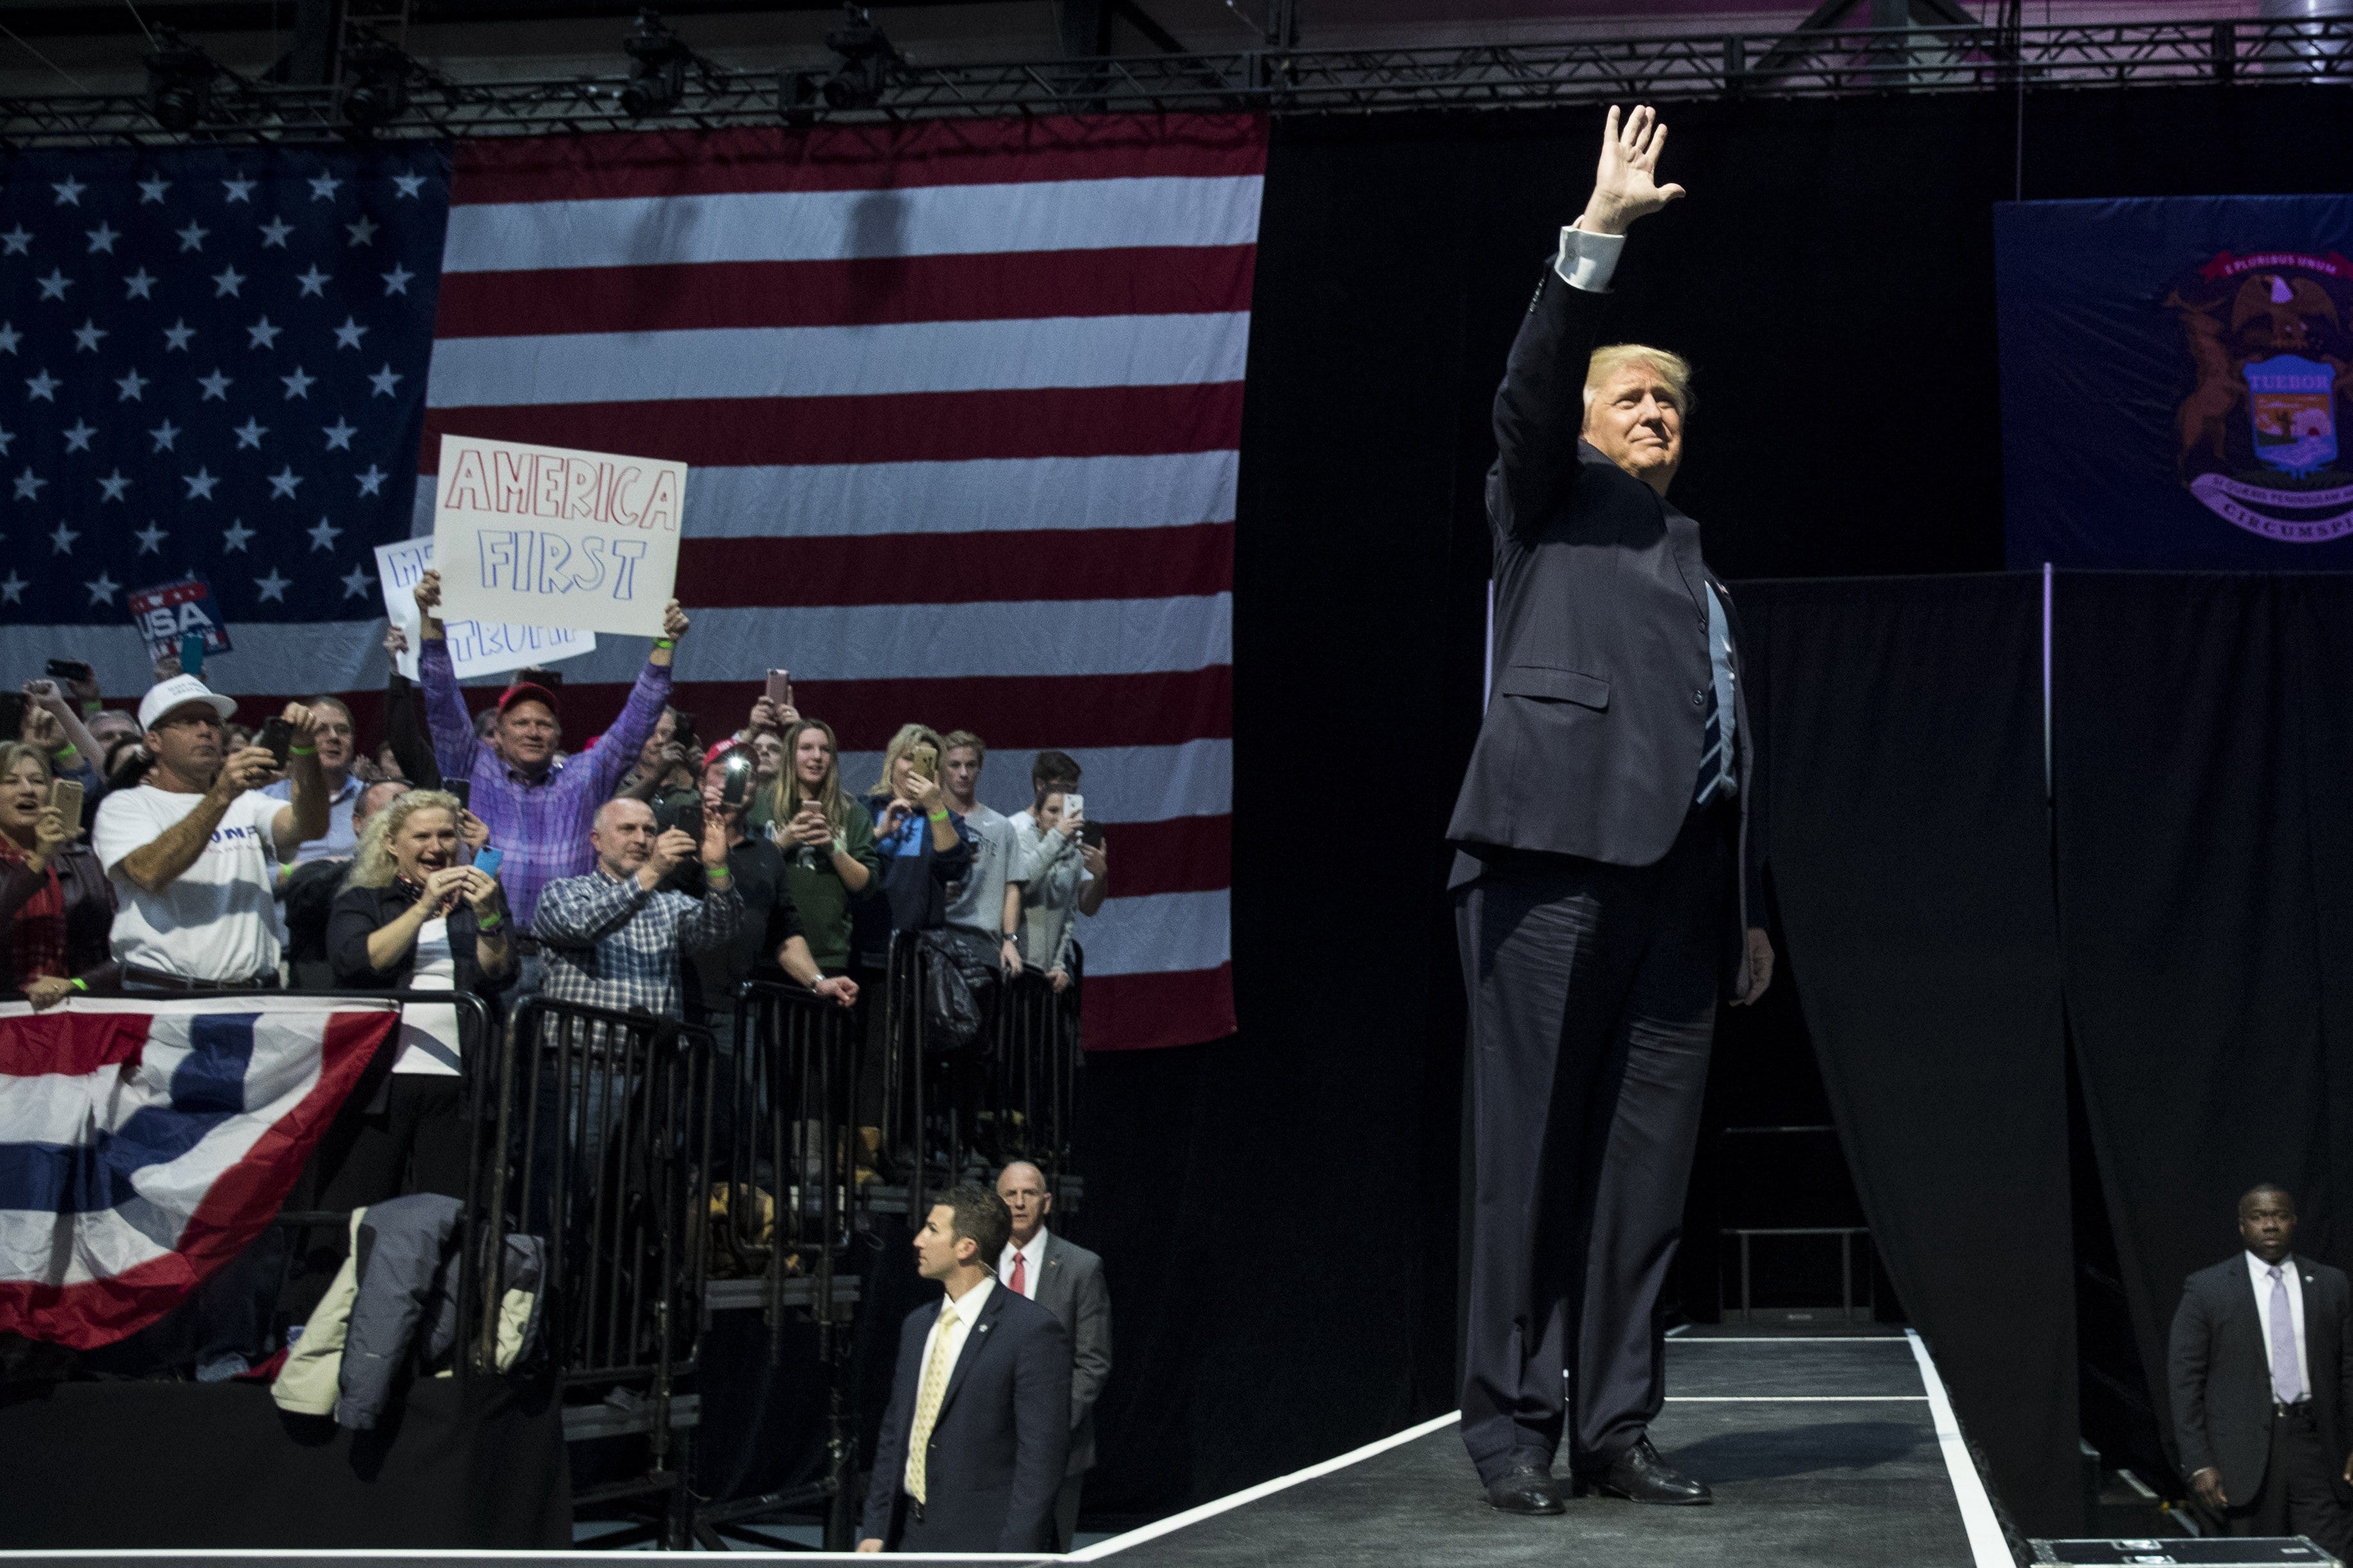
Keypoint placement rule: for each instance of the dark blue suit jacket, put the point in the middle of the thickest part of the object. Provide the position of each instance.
(998, 1450)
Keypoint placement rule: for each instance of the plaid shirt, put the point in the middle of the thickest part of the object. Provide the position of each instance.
(540, 824)
(607, 942)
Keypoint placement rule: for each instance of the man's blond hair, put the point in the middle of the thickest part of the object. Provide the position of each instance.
(1672, 368)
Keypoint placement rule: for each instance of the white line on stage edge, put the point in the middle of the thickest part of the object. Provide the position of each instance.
(1795, 1398)
(1986, 1544)
(1264, 1488)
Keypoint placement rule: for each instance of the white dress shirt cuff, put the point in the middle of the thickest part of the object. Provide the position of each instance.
(1587, 260)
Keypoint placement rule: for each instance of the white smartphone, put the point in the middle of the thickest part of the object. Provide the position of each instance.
(1074, 806)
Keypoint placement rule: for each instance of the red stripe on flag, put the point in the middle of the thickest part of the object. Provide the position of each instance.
(999, 286)
(898, 427)
(1174, 855)
(1071, 713)
(70, 1044)
(958, 568)
(1015, 148)
(1144, 1012)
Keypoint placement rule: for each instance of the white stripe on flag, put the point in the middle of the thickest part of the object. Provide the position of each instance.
(982, 495)
(1122, 783)
(98, 1246)
(838, 362)
(842, 226)
(53, 1108)
(1160, 933)
(857, 642)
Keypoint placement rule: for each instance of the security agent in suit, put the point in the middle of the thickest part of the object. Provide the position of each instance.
(1068, 1281)
(978, 1432)
(1609, 862)
(2262, 1373)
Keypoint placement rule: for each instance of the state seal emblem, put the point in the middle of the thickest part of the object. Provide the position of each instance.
(2268, 332)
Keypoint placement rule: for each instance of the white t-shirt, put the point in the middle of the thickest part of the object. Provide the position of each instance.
(217, 921)
(429, 1031)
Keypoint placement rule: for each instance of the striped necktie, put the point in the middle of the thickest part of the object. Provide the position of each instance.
(933, 1393)
(1717, 757)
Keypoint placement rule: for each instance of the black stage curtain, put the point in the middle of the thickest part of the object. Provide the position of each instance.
(119, 1465)
(1831, 275)
(1903, 729)
(2204, 746)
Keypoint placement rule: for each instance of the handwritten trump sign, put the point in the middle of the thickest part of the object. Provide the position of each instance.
(476, 648)
(548, 537)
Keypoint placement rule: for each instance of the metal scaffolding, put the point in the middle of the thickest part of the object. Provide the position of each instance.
(1810, 63)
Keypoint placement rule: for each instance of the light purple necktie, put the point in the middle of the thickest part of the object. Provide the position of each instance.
(2286, 1386)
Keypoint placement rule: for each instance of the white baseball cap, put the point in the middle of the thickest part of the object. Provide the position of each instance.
(178, 692)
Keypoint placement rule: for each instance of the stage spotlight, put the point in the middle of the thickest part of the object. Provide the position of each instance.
(375, 86)
(658, 59)
(868, 61)
(179, 81)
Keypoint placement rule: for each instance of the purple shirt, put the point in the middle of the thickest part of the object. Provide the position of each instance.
(542, 827)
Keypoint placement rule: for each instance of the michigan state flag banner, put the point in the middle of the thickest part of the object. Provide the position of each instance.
(145, 1143)
(2173, 381)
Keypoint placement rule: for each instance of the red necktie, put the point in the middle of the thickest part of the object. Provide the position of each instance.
(1020, 1273)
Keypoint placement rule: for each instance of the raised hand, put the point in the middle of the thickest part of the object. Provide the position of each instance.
(1625, 186)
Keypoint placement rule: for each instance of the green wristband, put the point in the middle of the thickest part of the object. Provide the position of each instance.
(62, 752)
(301, 750)
(664, 642)
(488, 922)
(91, 709)
(938, 816)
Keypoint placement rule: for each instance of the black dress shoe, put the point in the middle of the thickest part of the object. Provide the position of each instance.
(1527, 1489)
(1641, 1476)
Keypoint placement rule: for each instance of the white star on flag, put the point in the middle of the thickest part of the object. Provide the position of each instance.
(234, 536)
(42, 385)
(200, 484)
(54, 285)
(14, 242)
(140, 285)
(177, 335)
(397, 281)
(69, 193)
(250, 433)
(274, 233)
(164, 434)
(152, 190)
(339, 435)
(262, 334)
(356, 585)
(283, 482)
(151, 538)
(28, 484)
(131, 386)
(13, 590)
(362, 232)
(101, 238)
(227, 282)
(101, 589)
(61, 541)
(324, 536)
(111, 487)
(347, 336)
(323, 187)
(86, 337)
(78, 437)
(193, 236)
(313, 282)
(409, 184)
(214, 386)
(273, 586)
(297, 385)
(372, 481)
(239, 189)
(383, 380)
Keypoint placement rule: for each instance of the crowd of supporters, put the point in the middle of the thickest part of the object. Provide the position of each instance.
(177, 849)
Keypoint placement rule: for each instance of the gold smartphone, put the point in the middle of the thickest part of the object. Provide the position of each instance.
(927, 758)
(65, 794)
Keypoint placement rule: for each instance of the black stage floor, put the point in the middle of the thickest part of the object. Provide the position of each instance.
(1823, 1450)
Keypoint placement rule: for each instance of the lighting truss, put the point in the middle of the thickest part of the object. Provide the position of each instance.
(1831, 63)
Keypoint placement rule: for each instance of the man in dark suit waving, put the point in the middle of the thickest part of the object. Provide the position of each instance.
(2261, 1372)
(978, 1426)
(1607, 884)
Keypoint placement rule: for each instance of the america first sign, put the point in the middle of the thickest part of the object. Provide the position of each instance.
(550, 537)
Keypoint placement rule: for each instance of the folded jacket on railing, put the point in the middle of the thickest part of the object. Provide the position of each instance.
(401, 1275)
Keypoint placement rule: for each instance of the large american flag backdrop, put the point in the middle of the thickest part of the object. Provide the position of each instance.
(963, 403)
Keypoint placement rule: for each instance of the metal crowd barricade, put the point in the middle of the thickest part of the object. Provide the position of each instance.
(602, 1145)
(785, 1195)
(1011, 1097)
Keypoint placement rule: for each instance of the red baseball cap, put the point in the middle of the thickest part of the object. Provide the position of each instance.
(526, 691)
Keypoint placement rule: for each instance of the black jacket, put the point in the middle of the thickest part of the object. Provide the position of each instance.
(360, 910)
(89, 917)
(1592, 739)
(998, 1448)
(2220, 1370)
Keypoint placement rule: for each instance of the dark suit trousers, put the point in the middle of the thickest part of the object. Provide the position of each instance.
(2297, 1497)
(1593, 991)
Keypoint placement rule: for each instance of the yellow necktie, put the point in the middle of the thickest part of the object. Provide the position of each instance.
(928, 1397)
